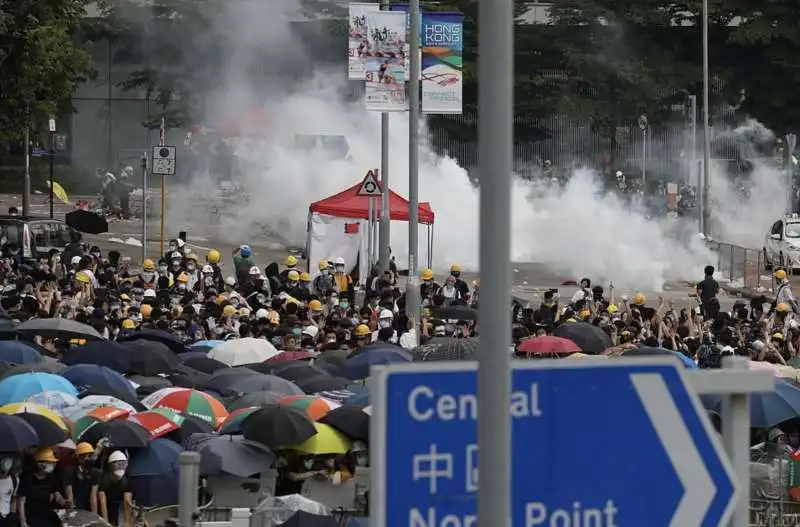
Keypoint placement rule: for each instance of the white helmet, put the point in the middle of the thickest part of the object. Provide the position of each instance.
(176, 256)
(262, 314)
(75, 260)
(230, 281)
(385, 314)
(254, 271)
(338, 261)
(117, 456)
(207, 269)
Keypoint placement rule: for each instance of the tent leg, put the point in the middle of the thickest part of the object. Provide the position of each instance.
(430, 246)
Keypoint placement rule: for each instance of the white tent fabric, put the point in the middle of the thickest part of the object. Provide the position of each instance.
(329, 237)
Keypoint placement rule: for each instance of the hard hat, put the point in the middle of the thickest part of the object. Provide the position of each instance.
(46, 455)
(148, 265)
(117, 456)
(213, 256)
(84, 448)
(176, 256)
(146, 310)
(455, 268)
(338, 261)
(291, 261)
(245, 251)
(244, 311)
(228, 310)
(274, 318)
(208, 269)
(128, 324)
(777, 336)
(254, 271)
(83, 277)
(639, 299)
(191, 256)
(426, 274)
(293, 276)
(385, 313)
(315, 305)
(782, 307)
(183, 278)
(261, 314)
(780, 274)
(362, 330)
(612, 308)
(220, 299)
(310, 331)
(305, 277)
(323, 265)
(230, 281)
(150, 293)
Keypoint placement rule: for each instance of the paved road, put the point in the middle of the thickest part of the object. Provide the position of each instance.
(530, 279)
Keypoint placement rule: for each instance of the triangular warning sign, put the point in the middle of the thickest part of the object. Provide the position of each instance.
(370, 185)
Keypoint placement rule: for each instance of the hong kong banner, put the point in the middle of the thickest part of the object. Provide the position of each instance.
(384, 61)
(442, 64)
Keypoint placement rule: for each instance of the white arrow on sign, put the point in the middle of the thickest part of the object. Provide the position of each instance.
(698, 487)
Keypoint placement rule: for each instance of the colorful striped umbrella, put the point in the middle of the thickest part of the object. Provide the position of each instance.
(233, 424)
(159, 422)
(36, 409)
(314, 407)
(188, 402)
(102, 414)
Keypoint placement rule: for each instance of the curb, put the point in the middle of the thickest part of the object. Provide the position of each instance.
(743, 292)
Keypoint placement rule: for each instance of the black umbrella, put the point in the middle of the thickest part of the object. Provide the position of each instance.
(591, 339)
(190, 426)
(48, 365)
(150, 358)
(185, 377)
(276, 426)
(261, 367)
(63, 328)
(447, 348)
(262, 398)
(306, 519)
(298, 370)
(120, 434)
(262, 383)
(376, 346)
(86, 221)
(204, 364)
(170, 340)
(221, 380)
(49, 433)
(103, 353)
(351, 420)
(16, 435)
(334, 357)
(456, 313)
(321, 383)
(233, 455)
(148, 385)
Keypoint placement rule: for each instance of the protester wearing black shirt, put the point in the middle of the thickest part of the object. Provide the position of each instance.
(114, 491)
(39, 493)
(82, 481)
(707, 291)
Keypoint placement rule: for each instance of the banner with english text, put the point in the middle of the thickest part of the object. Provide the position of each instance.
(357, 38)
(384, 61)
(442, 62)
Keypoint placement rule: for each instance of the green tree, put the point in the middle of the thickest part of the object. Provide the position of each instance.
(40, 62)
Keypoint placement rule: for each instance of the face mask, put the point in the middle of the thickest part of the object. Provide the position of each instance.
(344, 305)
(361, 460)
(6, 463)
(118, 473)
(308, 463)
(114, 307)
(385, 323)
(208, 281)
(47, 468)
(296, 332)
(339, 269)
(162, 268)
(191, 267)
(173, 248)
(181, 287)
(291, 284)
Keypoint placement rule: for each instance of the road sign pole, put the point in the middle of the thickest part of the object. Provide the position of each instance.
(52, 130)
(163, 213)
(413, 299)
(144, 206)
(370, 227)
(736, 438)
(26, 185)
(706, 201)
(495, 151)
(791, 142)
(386, 222)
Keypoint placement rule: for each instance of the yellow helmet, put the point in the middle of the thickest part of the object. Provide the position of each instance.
(612, 308)
(639, 299)
(780, 274)
(46, 455)
(777, 336)
(228, 310)
(782, 307)
(274, 318)
(82, 277)
(362, 330)
(315, 305)
(221, 298)
(305, 277)
(148, 265)
(323, 265)
(191, 256)
(183, 278)
(84, 448)
(293, 276)
(427, 274)
(146, 310)
(128, 324)
(213, 256)
(455, 268)
(291, 261)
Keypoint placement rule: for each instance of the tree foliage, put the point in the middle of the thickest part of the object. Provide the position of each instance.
(40, 61)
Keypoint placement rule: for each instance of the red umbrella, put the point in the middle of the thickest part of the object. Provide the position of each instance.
(285, 356)
(548, 345)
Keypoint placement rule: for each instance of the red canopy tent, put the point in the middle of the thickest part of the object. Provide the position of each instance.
(348, 204)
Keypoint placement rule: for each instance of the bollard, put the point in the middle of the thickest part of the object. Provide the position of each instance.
(189, 482)
(735, 437)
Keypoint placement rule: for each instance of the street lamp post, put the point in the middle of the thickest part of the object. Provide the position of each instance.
(52, 130)
(706, 197)
(643, 126)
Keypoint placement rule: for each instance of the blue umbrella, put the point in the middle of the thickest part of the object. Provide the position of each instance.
(206, 344)
(86, 377)
(358, 366)
(19, 387)
(153, 473)
(17, 352)
(359, 399)
(16, 434)
(766, 409)
(102, 353)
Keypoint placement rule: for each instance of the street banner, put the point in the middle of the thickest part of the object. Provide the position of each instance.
(442, 64)
(384, 54)
(357, 38)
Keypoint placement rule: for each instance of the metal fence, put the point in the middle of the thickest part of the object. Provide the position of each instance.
(741, 266)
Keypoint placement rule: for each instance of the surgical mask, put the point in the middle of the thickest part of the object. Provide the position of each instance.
(385, 323)
(47, 468)
(339, 268)
(181, 287)
(118, 473)
(162, 268)
(344, 305)
(296, 332)
(190, 267)
(308, 463)
(6, 463)
(362, 459)
(291, 284)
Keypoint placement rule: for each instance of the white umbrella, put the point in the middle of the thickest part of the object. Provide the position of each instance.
(93, 402)
(243, 351)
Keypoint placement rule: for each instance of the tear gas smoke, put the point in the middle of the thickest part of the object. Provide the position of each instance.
(578, 230)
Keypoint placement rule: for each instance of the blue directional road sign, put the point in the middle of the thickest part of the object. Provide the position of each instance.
(611, 443)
